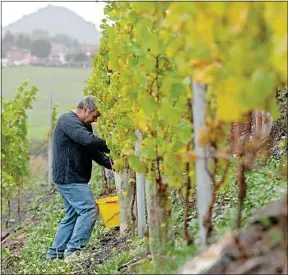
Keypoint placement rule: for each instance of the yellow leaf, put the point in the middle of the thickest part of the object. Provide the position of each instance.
(205, 74)
(192, 156)
(237, 14)
(279, 58)
(182, 64)
(205, 25)
(276, 17)
(121, 63)
(228, 109)
(219, 8)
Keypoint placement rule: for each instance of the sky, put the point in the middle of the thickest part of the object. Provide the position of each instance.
(90, 11)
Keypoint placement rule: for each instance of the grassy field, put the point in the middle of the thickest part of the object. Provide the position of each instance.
(66, 85)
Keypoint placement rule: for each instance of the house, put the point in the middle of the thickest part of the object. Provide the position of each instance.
(58, 48)
(88, 49)
(17, 57)
(57, 55)
(56, 59)
(4, 62)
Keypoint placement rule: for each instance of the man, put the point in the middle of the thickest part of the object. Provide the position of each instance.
(74, 148)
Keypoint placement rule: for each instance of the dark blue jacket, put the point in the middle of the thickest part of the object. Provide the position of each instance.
(74, 148)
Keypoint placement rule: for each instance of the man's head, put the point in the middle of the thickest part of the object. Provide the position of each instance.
(87, 110)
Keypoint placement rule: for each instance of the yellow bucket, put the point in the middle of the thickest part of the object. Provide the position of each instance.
(110, 211)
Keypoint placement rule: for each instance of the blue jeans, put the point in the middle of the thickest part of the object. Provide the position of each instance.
(75, 229)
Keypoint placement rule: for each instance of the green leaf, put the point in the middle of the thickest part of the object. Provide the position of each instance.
(148, 103)
(143, 7)
(147, 62)
(154, 44)
(169, 114)
(136, 164)
(185, 134)
(263, 83)
(148, 150)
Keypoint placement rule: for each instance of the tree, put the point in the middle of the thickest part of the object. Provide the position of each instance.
(64, 39)
(80, 57)
(41, 48)
(23, 42)
(69, 57)
(40, 34)
(9, 38)
(7, 43)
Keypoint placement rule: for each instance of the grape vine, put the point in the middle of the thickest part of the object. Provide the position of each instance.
(142, 78)
(15, 144)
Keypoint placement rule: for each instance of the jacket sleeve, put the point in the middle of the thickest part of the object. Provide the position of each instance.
(101, 159)
(75, 130)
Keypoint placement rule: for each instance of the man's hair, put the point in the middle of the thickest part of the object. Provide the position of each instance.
(88, 102)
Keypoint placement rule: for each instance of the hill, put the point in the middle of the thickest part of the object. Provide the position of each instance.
(56, 20)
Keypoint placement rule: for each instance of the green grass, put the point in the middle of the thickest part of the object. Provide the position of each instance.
(263, 186)
(31, 259)
(65, 84)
